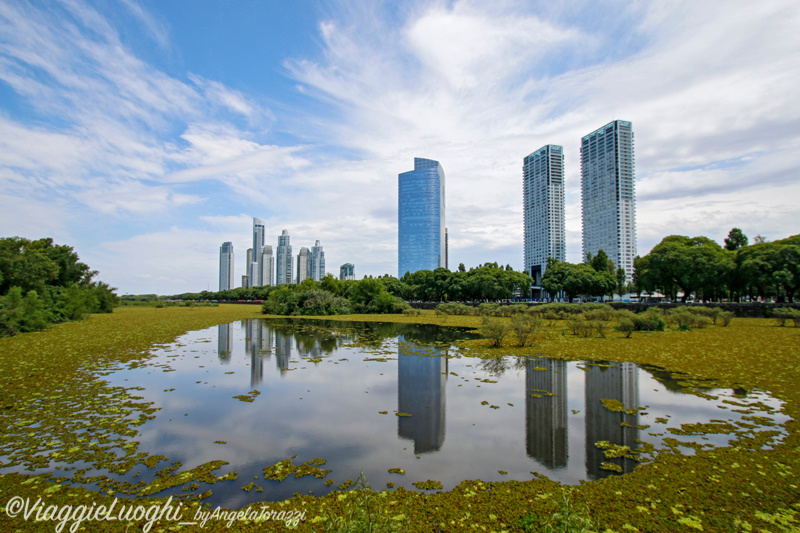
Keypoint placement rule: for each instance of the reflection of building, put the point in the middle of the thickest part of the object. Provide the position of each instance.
(421, 383)
(283, 350)
(543, 207)
(421, 222)
(618, 381)
(608, 198)
(253, 348)
(226, 266)
(546, 416)
(224, 343)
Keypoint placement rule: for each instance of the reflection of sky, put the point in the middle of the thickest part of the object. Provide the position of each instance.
(330, 409)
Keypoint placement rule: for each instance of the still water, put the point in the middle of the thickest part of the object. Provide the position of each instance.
(324, 385)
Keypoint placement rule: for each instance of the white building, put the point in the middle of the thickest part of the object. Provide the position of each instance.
(267, 266)
(347, 271)
(543, 207)
(303, 264)
(226, 266)
(608, 194)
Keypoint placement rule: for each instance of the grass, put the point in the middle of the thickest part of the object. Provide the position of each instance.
(54, 405)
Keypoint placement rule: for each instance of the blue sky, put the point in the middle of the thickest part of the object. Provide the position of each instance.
(144, 134)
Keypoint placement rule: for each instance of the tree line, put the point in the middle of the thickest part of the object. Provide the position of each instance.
(43, 283)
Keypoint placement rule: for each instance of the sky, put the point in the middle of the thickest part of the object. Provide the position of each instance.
(146, 133)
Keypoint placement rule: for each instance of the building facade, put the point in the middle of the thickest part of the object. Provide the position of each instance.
(347, 271)
(608, 194)
(226, 266)
(317, 265)
(303, 264)
(421, 217)
(283, 266)
(543, 208)
(258, 245)
(267, 266)
(248, 267)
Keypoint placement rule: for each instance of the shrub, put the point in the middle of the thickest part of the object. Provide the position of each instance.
(784, 314)
(626, 325)
(725, 318)
(493, 329)
(410, 311)
(525, 326)
(599, 314)
(487, 309)
(650, 320)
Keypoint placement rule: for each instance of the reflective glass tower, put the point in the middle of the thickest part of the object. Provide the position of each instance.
(303, 264)
(267, 265)
(421, 227)
(226, 266)
(258, 245)
(283, 268)
(543, 206)
(608, 194)
(317, 262)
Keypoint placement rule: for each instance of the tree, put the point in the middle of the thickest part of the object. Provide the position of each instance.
(621, 285)
(736, 239)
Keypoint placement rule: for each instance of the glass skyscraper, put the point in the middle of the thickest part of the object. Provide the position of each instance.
(421, 227)
(226, 266)
(303, 264)
(608, 194)
(347, 271)
(258, 245)
(283, 268)
(543, 206)
(317, 262)
(267, 265)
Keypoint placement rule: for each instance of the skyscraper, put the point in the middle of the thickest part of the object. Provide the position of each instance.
(543, 207)
(283, 269)
(421, 221)
(347, 271)
(248, 268)
(267, 265)
(608, 194)
(226, 266)
(317, 265)
(303, 264)
(258, 244)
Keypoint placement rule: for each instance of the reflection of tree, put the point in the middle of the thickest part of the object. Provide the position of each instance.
(495, 366)
(672, 381)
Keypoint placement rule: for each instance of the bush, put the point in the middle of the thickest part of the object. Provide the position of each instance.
(525, 326)
(650, 320)
(410, 311)
(626, 325)
(784, 314)
(603, 314)
(493, 329)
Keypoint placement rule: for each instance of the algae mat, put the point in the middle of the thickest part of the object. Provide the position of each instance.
(55, 404)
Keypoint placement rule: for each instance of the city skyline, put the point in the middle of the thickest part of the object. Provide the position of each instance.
(141, 133)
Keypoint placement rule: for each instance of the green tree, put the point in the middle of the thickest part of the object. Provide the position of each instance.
(736, 239)
(621, 284)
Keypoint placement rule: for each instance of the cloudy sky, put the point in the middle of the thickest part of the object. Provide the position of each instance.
(145, 133)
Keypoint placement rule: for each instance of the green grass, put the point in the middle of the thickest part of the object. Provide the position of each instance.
(54, 403)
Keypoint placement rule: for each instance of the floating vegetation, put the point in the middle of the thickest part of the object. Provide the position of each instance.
(402, 414)
(397, 471)
(283, 469)
(428, 485)
(249, 397)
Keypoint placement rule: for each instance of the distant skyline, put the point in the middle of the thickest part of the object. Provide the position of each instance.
(145, 133)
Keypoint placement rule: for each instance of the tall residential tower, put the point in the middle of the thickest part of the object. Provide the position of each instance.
(258, 245)
(226, 266)
(543, 206)
(608, 194)
(421, 228)
(317, 262)
(283, 267)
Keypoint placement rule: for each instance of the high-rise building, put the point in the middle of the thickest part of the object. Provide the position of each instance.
(347, 271)
(245, 281)
(267, 265)
(248, 267)
(258, 244)
(543, 207)
(317, 265)
(608, 194)
(226, 266)
(421, 221)
(283, 268)
(303, 264)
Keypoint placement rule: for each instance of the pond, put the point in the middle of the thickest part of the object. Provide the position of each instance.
(369, 397)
